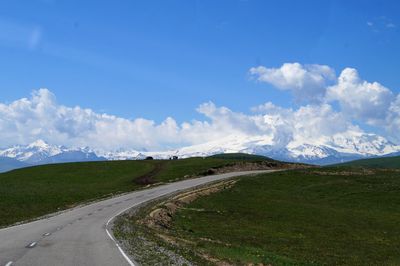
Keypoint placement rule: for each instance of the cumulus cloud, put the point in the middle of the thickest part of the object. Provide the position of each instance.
(223, 119)
(307, 82)
(41, 117)
(315, 121)
(360, 99)
(311, 121)
(393, 119)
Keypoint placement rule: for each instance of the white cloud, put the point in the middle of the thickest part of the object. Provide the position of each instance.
(41, 117)
(223, 119)
(270, 108)
(393, 119)
(315, 121)
(307, 82)
(26, 120)
(308, 122)
(360, 99)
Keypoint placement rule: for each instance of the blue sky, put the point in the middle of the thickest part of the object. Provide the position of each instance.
(155, 59)
(160, 58)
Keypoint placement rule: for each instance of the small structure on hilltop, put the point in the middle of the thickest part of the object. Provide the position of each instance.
(173, 157)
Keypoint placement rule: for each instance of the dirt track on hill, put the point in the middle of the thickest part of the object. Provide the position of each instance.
(148, 178)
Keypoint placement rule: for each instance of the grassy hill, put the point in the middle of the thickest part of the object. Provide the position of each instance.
(324, 216)
(34, 191)
(242, 156)
(382, 162)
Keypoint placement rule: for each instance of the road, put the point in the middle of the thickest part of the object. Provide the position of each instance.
(82, 236)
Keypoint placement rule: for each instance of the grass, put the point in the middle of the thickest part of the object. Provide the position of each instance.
(382, 162)
(242, 157)
(35, 191)
(178, 169)
(302, 217)
(31, 192)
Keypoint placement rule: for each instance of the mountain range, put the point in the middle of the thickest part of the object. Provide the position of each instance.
(329, 150)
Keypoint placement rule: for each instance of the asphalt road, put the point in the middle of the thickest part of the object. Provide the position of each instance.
(81, 236)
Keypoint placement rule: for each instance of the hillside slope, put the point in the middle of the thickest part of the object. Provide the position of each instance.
(325, 150)
(33, 191)
(324, 216)
(382, 162)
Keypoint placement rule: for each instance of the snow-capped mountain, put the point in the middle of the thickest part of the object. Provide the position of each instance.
(40, 152)
(338, 148)
(122, 154)
(32, 153)
(325, 150)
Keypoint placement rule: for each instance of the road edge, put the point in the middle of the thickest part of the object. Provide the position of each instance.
(109, 225)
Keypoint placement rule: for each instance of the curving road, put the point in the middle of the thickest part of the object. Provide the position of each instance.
(81, 236)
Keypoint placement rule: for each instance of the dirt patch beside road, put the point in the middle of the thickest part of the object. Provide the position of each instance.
(160, 216)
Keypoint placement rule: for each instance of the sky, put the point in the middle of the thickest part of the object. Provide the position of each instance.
(160, 74)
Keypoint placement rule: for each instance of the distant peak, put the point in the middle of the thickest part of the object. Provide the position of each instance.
(38, 143)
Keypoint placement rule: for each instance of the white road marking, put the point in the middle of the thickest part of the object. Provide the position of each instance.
(120, 249)
(124, 210)
(112, 238)
(31, 245)
(9, 263)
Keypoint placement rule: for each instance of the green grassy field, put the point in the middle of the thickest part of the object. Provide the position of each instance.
(242, 157)
(382, 162)
(299, 217)
(32, 192)
(198, 166)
